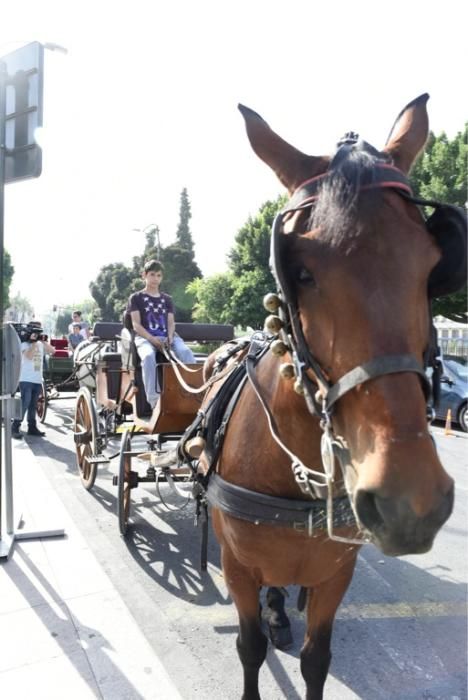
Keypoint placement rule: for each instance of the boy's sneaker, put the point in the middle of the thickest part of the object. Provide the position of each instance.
(16, 435)
(34, 431)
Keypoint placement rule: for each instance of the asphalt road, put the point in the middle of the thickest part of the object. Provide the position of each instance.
(400, 633)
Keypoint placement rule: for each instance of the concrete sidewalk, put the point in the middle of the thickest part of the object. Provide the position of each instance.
(65, 631)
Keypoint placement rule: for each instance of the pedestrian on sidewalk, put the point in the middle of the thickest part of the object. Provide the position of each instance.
(33, 349)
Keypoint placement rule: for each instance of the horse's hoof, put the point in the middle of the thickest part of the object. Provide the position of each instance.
(281, 637)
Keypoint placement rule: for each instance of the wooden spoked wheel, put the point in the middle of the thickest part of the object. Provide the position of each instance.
(42, 404)
(86, 437)
(124, 483)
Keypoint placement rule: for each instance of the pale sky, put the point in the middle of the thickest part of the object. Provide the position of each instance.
(145, 103)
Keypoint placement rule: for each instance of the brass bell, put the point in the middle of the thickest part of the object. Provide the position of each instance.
(298, 387)
(273, 324)
(278, 348)
(287, 370)
(271, 302)
(195, 446)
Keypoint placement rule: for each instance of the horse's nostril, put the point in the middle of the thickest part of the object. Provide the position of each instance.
(367, 510)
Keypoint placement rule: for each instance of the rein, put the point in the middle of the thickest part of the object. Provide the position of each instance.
(174, 362)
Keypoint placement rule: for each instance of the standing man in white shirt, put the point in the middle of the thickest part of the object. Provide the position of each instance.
(33, 349)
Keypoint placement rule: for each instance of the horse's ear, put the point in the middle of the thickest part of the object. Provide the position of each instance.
(290, 165)
(409, 133)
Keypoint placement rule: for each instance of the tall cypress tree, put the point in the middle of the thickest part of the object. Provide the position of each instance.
(183, 235)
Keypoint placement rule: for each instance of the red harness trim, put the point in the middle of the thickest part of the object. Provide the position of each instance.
(394, 184)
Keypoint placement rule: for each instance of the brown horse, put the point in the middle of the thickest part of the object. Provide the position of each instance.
(353, 258)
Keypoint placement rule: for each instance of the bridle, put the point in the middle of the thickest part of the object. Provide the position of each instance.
(290, 332)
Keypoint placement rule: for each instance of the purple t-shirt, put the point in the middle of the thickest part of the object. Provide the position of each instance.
(153, 311)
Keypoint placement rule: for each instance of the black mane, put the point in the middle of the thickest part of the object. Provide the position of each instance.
(336, 211)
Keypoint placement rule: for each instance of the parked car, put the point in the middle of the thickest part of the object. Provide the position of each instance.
(454, 390)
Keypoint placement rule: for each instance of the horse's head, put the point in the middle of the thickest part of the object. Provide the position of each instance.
(356, 261)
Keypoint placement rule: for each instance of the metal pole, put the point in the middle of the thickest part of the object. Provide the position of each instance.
(8, 468)
(3, 79)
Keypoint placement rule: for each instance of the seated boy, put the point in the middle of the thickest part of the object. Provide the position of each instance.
(153, 321)
(75, 338)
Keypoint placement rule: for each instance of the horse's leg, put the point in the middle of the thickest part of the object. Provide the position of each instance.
(251, 642)
(323, 604)
(278, 622)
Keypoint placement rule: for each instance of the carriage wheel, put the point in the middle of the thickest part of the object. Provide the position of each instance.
(124, 483)
(86, 436)
(42, 404)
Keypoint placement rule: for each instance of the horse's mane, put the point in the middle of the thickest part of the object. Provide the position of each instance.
(336, 211)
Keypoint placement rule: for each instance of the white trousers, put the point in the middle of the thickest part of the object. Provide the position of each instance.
(147, 353)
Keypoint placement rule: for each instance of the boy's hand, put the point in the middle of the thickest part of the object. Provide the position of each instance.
(158, 344)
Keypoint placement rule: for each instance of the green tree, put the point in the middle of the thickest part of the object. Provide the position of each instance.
(249, 278)
(183, 235)
(110, 291)
(251, 248)
(152, 249)
(213, 296)
(8, 271)
(21, 308)
(115, 282)
(62, 321)
(441, 174)
(179, 270)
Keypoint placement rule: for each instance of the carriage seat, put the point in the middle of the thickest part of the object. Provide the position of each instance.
(189, 332)
(107, 330)
(60, 346)
(205, 332)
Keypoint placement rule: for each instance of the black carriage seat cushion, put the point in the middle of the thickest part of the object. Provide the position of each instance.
(208, 332)
(107, 330)
(194, 332)
(143, 408)
(113, 367)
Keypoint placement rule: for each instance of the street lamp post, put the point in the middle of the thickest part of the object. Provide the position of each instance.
(55, 47)
(155, 229)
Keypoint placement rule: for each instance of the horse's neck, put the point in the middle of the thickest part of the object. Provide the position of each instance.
(251, 457)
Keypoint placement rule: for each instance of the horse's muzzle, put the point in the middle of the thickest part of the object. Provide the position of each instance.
(393, 525)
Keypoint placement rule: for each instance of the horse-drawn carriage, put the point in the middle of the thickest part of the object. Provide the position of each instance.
(111, 400)
(59, 376)
(306, 471)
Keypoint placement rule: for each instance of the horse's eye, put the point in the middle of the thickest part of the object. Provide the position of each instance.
(305, 277)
